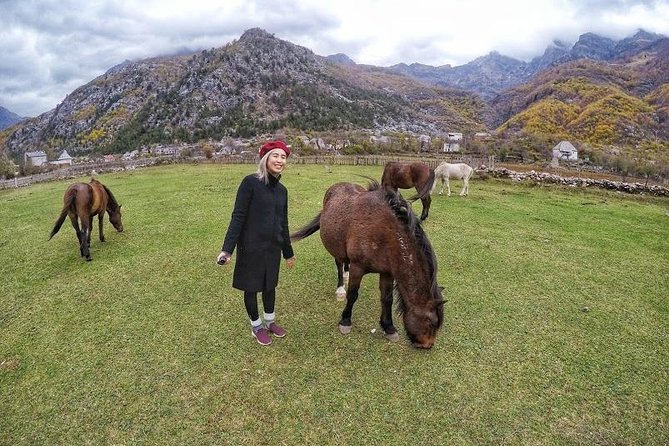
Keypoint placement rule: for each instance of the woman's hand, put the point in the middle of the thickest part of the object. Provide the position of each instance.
(223, 258)
(290, 262)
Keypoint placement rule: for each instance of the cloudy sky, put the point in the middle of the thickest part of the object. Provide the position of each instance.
(48, 48)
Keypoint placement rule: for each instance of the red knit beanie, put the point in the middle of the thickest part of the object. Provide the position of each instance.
(271, 145)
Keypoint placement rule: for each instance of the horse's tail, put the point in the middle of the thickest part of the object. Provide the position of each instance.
(426, 190)
(304, 232)
(70, 196)
(470, 173)
(438, 173)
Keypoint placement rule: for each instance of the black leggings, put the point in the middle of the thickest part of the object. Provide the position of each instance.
(251, 303)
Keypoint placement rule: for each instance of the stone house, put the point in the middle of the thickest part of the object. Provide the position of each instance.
(564, 150)
(63, 159)
(36, 158)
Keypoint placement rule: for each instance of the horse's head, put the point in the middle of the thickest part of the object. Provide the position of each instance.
(422, 322)
(115, 218)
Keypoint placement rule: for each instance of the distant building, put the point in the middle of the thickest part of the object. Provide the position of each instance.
(451, 147)
(452, 143)
(63, 159)
(36, 158)
(565, 150)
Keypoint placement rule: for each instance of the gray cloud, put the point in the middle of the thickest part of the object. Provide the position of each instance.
(50, 47)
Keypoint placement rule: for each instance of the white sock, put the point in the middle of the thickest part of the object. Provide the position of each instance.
(269, 317)
(256, 324)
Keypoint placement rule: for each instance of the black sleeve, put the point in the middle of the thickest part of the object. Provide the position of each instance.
(239, 215)
(287, 248)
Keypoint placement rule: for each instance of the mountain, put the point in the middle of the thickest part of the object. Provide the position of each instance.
(490, 75)
(8, 118)
(257, 84)
(625, 103)
(341, 59)
(598, 91)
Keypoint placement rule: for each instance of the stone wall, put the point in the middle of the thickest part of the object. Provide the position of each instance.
(549, 178)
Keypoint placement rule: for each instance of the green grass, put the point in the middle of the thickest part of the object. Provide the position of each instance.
(556, 323)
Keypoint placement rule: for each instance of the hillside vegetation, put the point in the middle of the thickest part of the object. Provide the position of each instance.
(609, 98)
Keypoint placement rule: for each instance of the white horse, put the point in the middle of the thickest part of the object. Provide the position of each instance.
(460, 171)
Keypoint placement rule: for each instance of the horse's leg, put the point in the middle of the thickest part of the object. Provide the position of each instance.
(465, 188)
(90, 229)
(386, 322)
(426, 207)
(86, 237)
(448, 185)
(355, 276)
(77, 230)
(102, 236)
(441, 178)
(341, 289)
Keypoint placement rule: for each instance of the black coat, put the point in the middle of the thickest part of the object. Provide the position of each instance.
(259, 230)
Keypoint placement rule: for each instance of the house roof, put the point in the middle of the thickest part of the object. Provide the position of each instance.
(565, 146)
(35, 154)
(64, 156)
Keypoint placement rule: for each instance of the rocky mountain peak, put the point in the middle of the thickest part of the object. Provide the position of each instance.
(592, 46)
(638, 42)
(341, 59)
(8, 118)
(254, 34)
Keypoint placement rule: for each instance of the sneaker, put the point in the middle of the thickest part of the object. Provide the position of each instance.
(276, 329)
(262, 335)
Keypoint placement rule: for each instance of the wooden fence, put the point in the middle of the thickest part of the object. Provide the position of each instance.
(380, 160)
(83, 170)
(333, 160)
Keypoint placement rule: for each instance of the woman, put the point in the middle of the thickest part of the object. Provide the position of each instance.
(259, 230)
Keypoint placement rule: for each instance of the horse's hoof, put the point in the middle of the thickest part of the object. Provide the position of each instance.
(344, 329)
(392, 337)
(88, 259)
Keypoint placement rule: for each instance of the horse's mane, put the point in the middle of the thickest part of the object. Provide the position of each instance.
(112, 200)
(402, 210)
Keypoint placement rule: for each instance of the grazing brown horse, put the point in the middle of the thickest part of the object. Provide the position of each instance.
(373, 230)
(404, 176)
(84, 201)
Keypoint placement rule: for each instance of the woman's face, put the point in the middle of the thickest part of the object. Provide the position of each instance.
(276, 161)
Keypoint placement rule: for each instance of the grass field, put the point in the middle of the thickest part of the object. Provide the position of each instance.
(556, 326)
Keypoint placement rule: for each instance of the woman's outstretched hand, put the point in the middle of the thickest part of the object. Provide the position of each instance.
(223, 258)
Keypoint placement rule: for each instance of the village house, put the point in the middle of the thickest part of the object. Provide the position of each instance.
(36, 158)
(452, 143)
(565, 150)
(63, 159)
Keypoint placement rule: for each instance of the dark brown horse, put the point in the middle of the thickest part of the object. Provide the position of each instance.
(84, 201)
(374, 231)
(405, 176)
